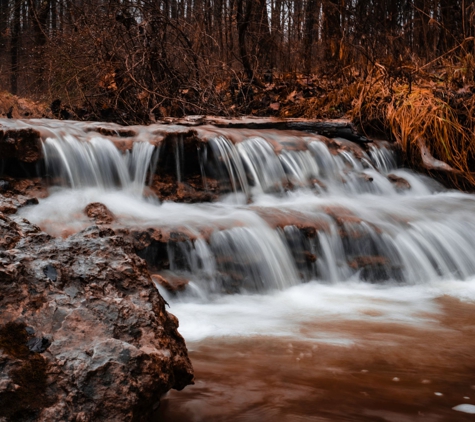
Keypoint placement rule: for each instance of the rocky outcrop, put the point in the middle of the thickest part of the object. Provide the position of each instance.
(84, 334)
(22, 144)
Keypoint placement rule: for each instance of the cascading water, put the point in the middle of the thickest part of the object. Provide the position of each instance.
(97, 163)
(322, 230)
(364, 224)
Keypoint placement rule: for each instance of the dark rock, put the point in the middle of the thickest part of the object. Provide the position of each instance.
(56, 107)
(22, 144)
(110, 350)
(400, 183)
(50, 272)
(30, 331)
(4, 185)
(65, 114)
(38, 344)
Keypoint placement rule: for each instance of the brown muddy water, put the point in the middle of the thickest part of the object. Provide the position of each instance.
(389, 371)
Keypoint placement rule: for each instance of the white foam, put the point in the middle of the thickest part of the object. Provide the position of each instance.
(298, 311)
(465, 408)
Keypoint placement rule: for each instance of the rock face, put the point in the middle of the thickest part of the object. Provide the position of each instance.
(22, 144)
(84, 334)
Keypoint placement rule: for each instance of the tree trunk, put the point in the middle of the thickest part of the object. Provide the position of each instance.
(14, 47)
(243, 17)
(40, 18)
(331, 29)
(3, 25)
(310, 33)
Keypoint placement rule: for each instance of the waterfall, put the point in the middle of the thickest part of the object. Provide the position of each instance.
(311, 209)
(97, 163)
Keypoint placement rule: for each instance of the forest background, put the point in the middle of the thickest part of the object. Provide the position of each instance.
(402, 68)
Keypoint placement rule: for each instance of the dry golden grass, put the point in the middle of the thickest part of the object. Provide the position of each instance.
(438, 117)
(430, 111)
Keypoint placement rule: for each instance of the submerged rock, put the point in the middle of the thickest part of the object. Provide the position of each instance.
(84, 334)
(400, 183)
(99, 213)
(171, 282)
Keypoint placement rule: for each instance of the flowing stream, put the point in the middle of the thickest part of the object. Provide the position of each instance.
(326, 283)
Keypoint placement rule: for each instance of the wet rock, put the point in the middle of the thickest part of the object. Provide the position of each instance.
(99, 213)
(7, 206)
(120, 132)
(400, 183)
(10, 204)
(309, 224)
(365, 177)
(152, 244)
(30, 188)
(166, 188)
(22, 144)
(171, 282)
(310, 257)
(84, 334)
(10, 233)
(372, 268)
(4, 185)
(50, 272)
(16, 194)
(38, 344)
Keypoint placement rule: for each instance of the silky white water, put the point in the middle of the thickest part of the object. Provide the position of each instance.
(366, 226)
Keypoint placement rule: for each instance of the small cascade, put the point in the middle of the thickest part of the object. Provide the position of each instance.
(227, 155)
(300, 167)
(264, 167)
(97, 163)
(255, 163)
(179, 157)
(383, 158)
(252, 259)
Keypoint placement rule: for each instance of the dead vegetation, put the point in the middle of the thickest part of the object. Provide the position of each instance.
(431, 117)
(14, 107)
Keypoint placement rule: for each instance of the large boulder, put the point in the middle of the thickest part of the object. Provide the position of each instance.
(84, 334)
